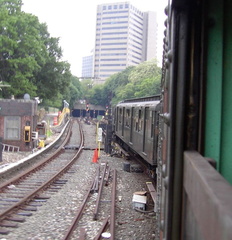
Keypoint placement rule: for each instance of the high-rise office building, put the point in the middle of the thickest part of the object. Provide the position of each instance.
(125, 36)
(87, 66)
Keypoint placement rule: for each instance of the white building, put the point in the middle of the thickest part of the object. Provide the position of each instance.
(125, 36)
(87, 66)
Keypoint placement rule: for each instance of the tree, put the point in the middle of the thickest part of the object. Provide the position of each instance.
(140, 81)
(133, 82)
(116, 84)
(74, 92)
(99, 95)
(18, 48)
(30, 60)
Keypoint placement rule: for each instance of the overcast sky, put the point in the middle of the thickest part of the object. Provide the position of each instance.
(74, 23)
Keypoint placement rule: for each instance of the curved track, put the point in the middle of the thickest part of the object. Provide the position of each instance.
(17, 193)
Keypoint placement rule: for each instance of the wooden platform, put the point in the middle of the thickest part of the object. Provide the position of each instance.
(153, 192)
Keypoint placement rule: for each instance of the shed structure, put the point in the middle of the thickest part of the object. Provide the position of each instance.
(18, 119)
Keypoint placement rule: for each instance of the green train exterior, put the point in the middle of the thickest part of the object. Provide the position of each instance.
(194, 181)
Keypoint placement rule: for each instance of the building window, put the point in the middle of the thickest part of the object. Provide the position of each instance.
(114, 43)
(113, 12)
(113, 59)
(12, 128)
(112, 49)
(117, 38)
(114, 22)
(113, 33)
(118, 17)
(111, 65)
(113, 54)
(110, 28)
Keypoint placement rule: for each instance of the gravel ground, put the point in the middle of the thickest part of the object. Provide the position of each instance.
(11, 157)
(50, 222)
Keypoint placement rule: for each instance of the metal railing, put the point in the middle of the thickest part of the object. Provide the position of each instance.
(9, 148)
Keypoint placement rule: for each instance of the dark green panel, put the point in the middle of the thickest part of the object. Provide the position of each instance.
(214, 81)
(226, 153)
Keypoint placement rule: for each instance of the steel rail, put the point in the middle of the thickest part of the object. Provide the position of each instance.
(112, 213)
(29, 170)
(95, 185)
(104, 226)
(95, 213)
(107, 177)
(31, 195)
(77, 218)
(82, 234)
(110, 220)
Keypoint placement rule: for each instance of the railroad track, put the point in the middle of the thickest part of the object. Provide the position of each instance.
(59, 204)
(37, 156)
(19, 195)
(108, 225)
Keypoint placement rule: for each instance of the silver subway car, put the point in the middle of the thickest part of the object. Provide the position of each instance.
(136, 126)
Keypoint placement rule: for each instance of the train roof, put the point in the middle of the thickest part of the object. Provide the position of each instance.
(142, 99)
(151, 104)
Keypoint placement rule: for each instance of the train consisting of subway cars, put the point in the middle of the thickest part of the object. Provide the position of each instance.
(136, 127)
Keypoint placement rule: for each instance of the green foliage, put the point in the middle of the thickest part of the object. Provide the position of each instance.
(116, 84)
(12, 6)
(145, 80)
(56, 102)
(74, 92)
(135, 81)
(30, 60)
(54, 78)
(140, 81)
(86, 87)
(98, 96)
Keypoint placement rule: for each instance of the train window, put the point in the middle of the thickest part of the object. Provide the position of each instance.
(136, 120)
(128, 117)
(120, 115)
(116, 119)
(140, 114)
(140, 126)
(152, 124)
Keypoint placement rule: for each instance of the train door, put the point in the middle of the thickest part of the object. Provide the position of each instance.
(132, 125)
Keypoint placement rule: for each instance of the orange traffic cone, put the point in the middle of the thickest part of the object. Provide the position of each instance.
(95, 156)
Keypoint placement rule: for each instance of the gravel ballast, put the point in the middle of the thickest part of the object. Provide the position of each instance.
(50, 222)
